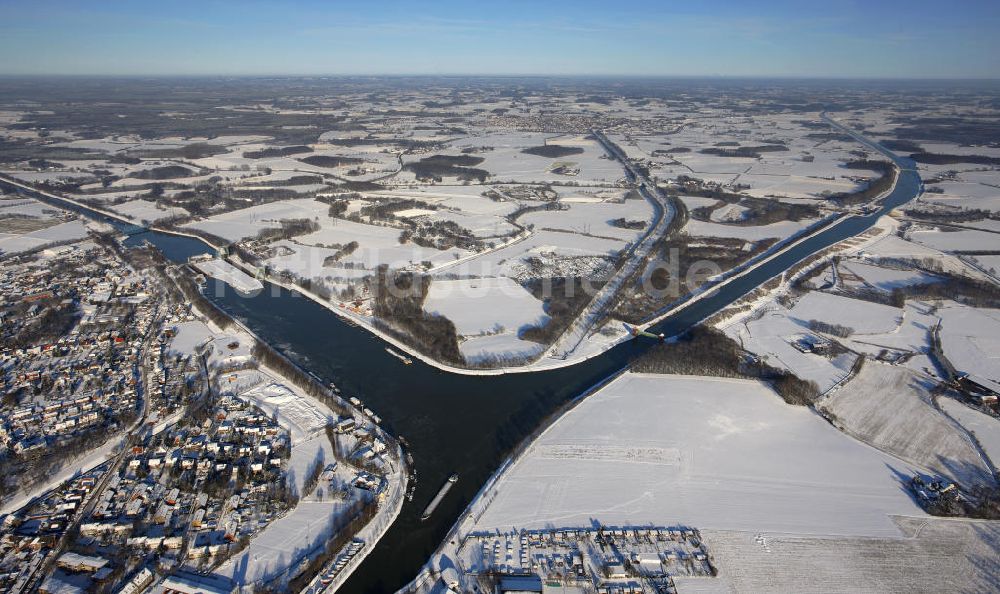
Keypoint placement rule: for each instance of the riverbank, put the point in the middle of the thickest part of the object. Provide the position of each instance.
(593, 345)
(427, 577)
(302, 524)
(824, 225)
(544, 364)
(702, 453)
(775, 251)
(73, 201)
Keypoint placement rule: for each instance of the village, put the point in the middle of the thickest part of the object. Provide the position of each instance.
(598, 559)
(152, 445)
(75, 330)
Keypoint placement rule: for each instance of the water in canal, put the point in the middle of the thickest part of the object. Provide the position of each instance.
(456, 423)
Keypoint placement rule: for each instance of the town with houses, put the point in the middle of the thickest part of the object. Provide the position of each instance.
(76, 330)
(187, 455)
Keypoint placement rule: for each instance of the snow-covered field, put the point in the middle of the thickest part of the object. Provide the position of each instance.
(991, 263)
(190, 335)
(978, 190)
(951, 241)
(68, 231)
(936, 555)
(484, 304)
(247, 222)
(864, 317)
(970, 338)
(773, 335)
(912, 336)
(502, 347)
(231, 275)
(594, 218)
(707, 452)
(506, 162)
(488, 314)
(885, 279)
(811, 167)
(890, 408)
(780, 230)
(26, 207)
(984, 428)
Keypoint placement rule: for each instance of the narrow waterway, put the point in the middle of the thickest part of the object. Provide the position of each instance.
(458, 423)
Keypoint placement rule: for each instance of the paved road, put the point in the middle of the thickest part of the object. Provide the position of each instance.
(634, 256)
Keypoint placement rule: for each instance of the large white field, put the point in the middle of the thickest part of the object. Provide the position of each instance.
(780, 230)
(707, 452)
(950, 241)
(937, 555)
(970, 338)
(484, 305)
(864, 317)
(190, 336)
(506, 162)
(890, 407)
(498, 347)
(62, 232)
(247, 222)
(594, 219)
(985, 428)
(488, 314)
(231, 275)
(885, 279)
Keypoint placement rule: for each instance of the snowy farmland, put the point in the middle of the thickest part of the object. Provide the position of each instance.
(781, 230)
(802, 165)
(61, 232)
(984, 428)
(231, 275)
(459, 300)
(935, 555)
(891, 408)
(970, 338)
(247, 222)
(506, 161)
(886, 279)
(775, 333)
(957, 241)
(488, 314)
(714, 453)
(864, 317)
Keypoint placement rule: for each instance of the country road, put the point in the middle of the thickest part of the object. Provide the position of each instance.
(635, 255)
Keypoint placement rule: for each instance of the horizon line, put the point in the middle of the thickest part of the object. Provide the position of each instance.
(930, 78)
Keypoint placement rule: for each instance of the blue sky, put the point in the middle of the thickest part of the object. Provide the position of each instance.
(876, 38)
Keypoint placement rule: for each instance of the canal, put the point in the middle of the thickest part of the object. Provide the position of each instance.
(458, 423)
